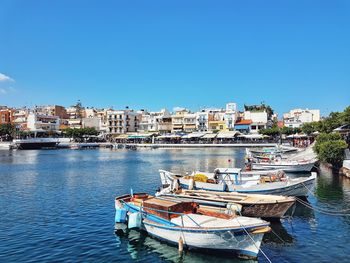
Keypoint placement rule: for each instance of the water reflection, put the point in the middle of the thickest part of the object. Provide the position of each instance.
(138, 244)
(278, 235)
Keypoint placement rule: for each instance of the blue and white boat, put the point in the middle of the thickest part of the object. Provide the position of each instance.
(184, 224)
(273, 182)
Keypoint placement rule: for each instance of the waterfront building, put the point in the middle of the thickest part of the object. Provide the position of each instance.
(231, 115)
(189, 122)
(102, 114)
(39, 122)
(92, 122)
(259, 120)
(75, 115)
(177, 120)
(297, 117)
(6, 115)
(20, 119)
(150, 120)
(122, 121)
(202, 121)
(52, 110)
(243, 126)
(217, 121)
(165, 125)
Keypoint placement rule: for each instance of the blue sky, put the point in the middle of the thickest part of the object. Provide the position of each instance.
(194, 54)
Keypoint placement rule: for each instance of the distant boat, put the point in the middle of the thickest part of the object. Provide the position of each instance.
(36, 143)
(285, 165)
(274, 150)
(253, 205)
(191, 227)
(268, 161)
(234, 180)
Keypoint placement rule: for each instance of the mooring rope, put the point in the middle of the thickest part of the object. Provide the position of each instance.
(344, 212)
(323, 211)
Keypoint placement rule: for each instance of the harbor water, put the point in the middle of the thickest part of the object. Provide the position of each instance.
(58, 206)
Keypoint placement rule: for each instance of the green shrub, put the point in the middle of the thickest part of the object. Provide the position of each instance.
(325, 137)
(332, 152)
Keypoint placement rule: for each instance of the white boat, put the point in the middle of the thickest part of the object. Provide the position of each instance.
(191, 227)
(280, 149)
(268, 161)
(285, 165)
(234, 180)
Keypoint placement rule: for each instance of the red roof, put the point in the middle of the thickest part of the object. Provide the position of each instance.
(280, 124)
(244, 122)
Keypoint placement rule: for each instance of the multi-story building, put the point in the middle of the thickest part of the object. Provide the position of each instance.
(75, 116)
(6, 115)
(217, 121)
(150, 120)
(122, 121)
(202, 121)
(20, 119)
(259, 120)
(231, 115)
(39, 122)
(52, 110)
(177, 120)
(102, 114)
(297, 117)
(189, 122)
(165, 125)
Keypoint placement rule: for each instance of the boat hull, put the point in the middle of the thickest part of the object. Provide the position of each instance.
(307, 167)
(292, 187)
(37, 146)
(237, 242)
(271, 210)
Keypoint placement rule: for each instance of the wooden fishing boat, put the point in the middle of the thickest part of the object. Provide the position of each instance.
(252, 205)
(234, 180)
(191, 227)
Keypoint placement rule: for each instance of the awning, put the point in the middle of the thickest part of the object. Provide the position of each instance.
(193, 135)
(298, 135)
(241, 126)
(227, 135)
(140, 136)
(169, 136)
(121, 136)
(209, 136)
(253, 136)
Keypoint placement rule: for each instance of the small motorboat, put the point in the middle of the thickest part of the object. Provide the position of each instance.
(189, 226)
(280, 149)
(253, 205)
(268, 161)
(281, 164)
(273, 182)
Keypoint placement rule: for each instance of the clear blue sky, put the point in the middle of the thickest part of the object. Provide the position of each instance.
(155, 54)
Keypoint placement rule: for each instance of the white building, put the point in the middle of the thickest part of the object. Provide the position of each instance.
(202, 121)
(297, 117)
(259, 120)
(150, 120)
(231, 115)
(122, 121)
(38, 122)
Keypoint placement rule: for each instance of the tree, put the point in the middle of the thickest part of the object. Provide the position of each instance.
(332, 152)
(7, 130)
(330, 148)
